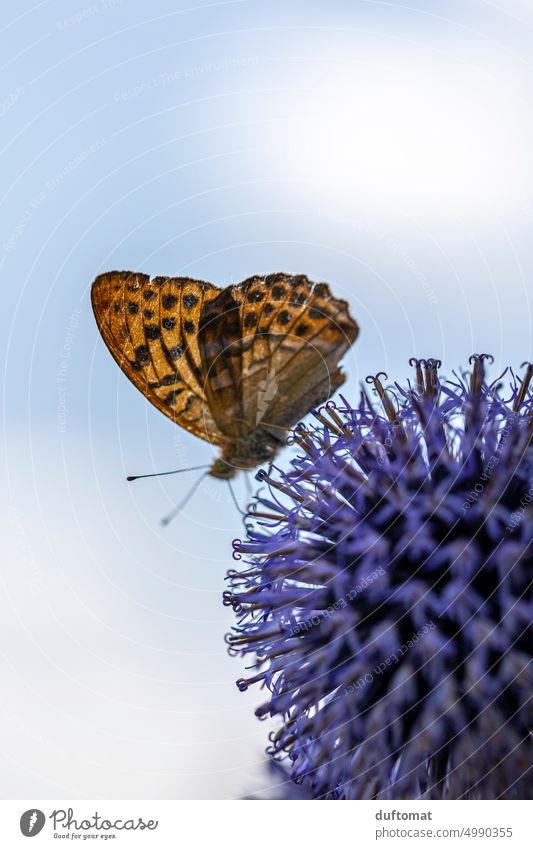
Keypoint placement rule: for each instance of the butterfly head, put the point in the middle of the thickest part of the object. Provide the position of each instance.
(222, 469)
(244, 454)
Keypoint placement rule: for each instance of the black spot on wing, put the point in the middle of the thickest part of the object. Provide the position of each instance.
(167, 380)
(170, 397)
(297, 299)
(152, 331)
(169, 301)
(255, 296)
(250, 320)
(142, 355)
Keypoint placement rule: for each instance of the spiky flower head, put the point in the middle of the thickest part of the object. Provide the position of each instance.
(386, 600)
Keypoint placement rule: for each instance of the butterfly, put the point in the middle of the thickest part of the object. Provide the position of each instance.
(238, 366)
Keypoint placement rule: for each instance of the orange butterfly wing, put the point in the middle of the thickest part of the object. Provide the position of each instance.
(151, 329)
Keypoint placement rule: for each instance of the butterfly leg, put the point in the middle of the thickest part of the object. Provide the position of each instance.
(234, 499)
(248, 485)
(179, 507)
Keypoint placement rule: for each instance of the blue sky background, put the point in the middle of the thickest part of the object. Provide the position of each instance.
(381, 146)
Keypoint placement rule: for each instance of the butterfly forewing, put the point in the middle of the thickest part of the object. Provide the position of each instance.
(151, 328)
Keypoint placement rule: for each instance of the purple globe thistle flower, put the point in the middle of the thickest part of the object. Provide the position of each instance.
(386, 601)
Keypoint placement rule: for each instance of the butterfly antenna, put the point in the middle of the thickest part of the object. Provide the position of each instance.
(161, 474)
(179, 507)
(234, 499)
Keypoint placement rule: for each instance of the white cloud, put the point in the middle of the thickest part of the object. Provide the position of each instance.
(390, 132)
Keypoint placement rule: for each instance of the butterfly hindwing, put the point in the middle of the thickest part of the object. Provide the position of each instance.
(294, 334)
(151, 329)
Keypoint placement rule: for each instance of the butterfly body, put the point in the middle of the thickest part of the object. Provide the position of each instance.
(238, 366)
(259, 448)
